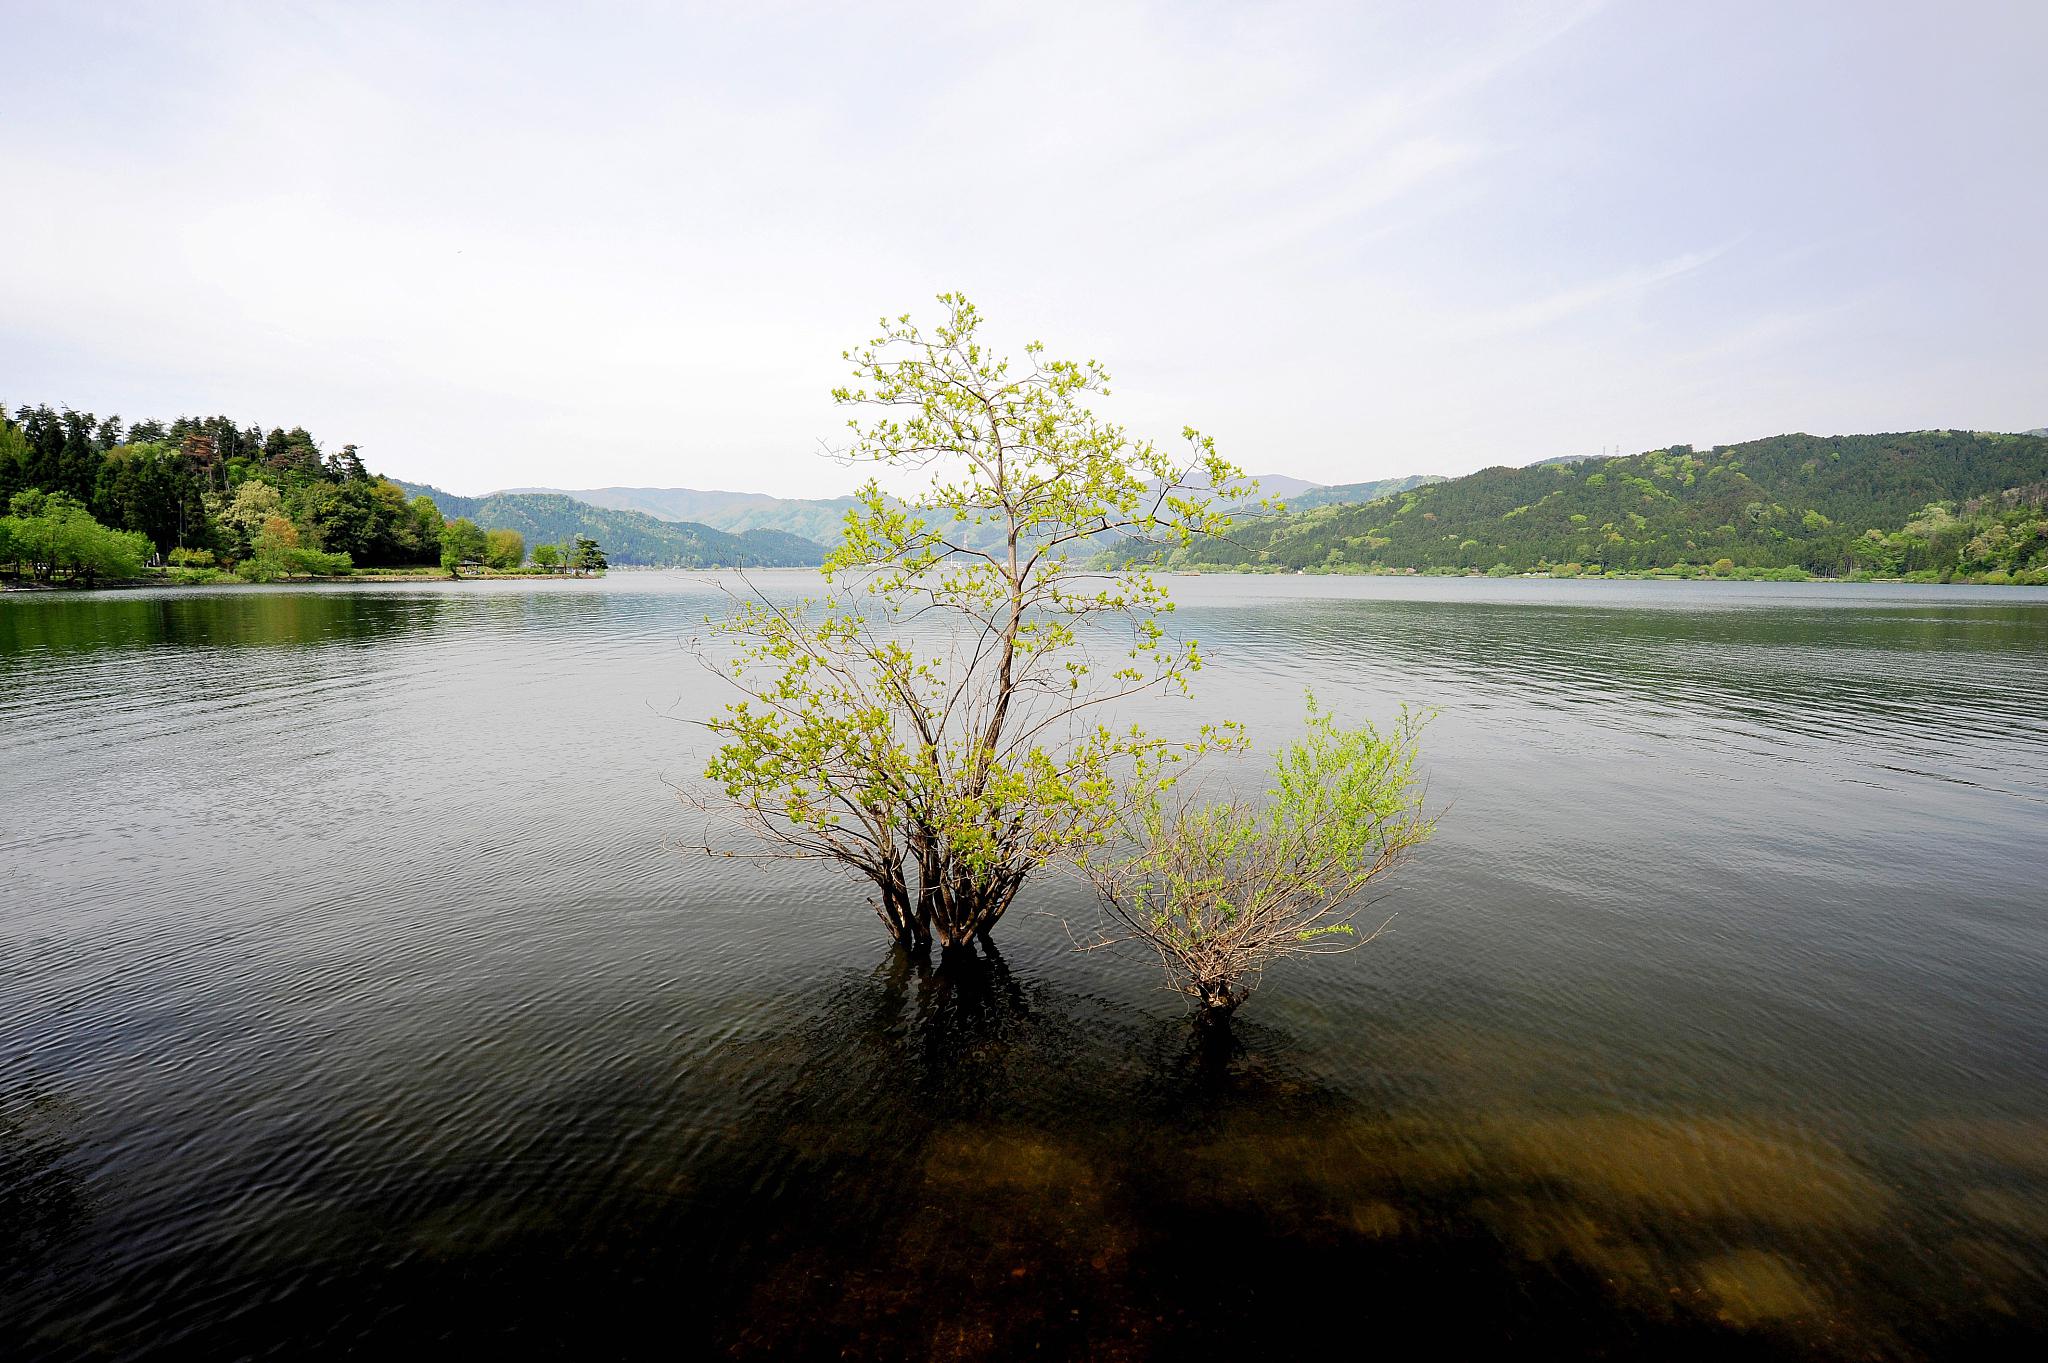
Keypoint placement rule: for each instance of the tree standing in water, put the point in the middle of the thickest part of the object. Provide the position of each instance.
(932, 721)
(1221, 891)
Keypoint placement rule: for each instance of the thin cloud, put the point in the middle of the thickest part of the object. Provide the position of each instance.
(1551, 309)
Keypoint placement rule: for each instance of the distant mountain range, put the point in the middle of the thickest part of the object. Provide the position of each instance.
(814, 518)
(1878, 486)
(628, 537)
(820, 518)
(1278, 486)
(1342, 494)
(733, 512)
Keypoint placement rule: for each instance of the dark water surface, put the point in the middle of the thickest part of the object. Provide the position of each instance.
(354, 996)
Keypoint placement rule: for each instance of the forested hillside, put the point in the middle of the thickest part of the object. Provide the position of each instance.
(1945, 502)
(629, 537)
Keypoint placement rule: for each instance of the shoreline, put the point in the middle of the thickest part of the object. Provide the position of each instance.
(230, 580)
(372, 578)
(1762, 575)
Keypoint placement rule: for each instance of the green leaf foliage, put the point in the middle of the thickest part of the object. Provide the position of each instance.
(462, 542)
(51, 536)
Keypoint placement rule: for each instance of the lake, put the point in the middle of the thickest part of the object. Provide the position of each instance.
(358, 989)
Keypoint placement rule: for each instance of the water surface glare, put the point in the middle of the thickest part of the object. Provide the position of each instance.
(356, 994)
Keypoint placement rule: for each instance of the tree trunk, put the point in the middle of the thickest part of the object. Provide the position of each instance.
(952, 904)
(965, 906)
(893, 904)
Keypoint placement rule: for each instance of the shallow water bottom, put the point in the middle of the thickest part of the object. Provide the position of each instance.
(971, 1164)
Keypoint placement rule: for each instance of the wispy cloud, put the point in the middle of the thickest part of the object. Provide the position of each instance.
(1537, 313)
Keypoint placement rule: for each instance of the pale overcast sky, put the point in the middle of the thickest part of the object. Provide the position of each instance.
(624, 244)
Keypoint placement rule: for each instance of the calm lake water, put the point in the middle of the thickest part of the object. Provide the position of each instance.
(355, 993)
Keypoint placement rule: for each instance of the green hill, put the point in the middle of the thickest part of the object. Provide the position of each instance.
(628, 537)
(1789, 501)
